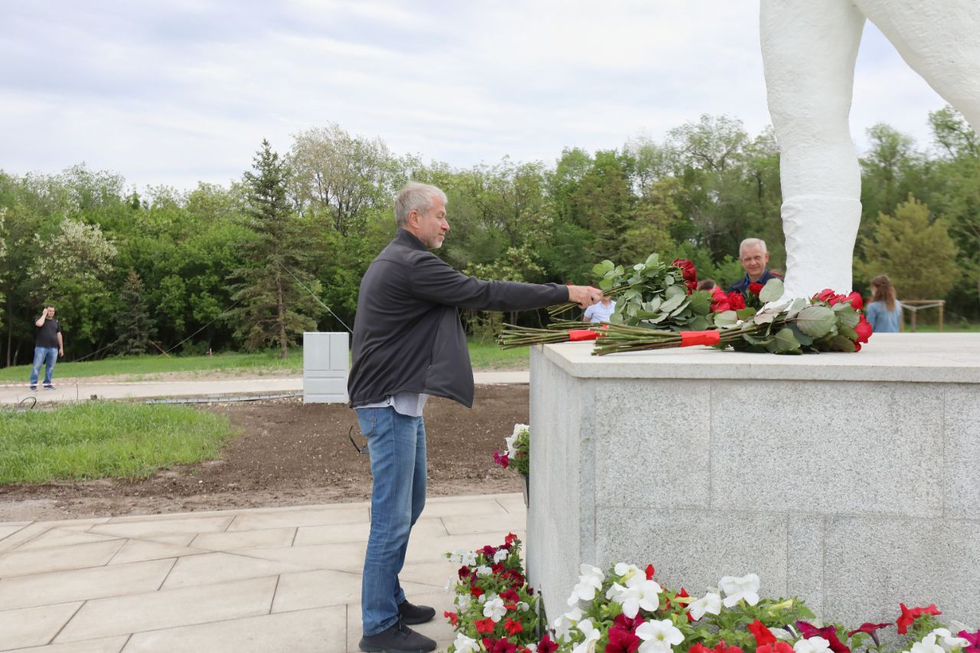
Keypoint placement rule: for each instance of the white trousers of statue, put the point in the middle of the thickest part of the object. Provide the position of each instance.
(809, 48)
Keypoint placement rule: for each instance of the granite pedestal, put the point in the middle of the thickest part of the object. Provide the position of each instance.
(849, 480)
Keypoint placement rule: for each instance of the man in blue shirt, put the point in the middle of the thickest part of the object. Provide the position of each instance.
(754, 257)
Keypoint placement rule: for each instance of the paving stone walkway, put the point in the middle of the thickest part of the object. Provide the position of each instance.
(238, 581)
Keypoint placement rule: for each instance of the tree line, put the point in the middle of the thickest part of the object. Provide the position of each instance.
(282, 250)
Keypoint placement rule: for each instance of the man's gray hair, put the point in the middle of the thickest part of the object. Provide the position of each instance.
(415, 197)
(752, 242)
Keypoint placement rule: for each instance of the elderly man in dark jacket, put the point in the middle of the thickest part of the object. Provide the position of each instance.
(409, 344)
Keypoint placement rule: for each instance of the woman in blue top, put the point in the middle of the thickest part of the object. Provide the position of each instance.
(884, 311)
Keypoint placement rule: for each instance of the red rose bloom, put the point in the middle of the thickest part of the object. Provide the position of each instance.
(856, 301)
(762, 634)
(719, 301)
(687, 270)
(863, 330)
(825, 295)
(755, 288)
(736, 300)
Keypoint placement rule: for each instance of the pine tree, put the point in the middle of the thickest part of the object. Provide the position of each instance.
(134, 325)
(274, 308)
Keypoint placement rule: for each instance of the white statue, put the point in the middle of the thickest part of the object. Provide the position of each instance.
(809, 48)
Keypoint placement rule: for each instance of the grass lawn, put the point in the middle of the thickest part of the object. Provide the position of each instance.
(266, 362)
(104, 439)
(482, 355)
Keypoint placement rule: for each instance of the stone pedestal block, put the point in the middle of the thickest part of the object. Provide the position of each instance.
(326, 363)
(850, 480)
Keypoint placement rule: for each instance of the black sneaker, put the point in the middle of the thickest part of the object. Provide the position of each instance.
(49, 387)
(415, 614)
(397, 639)
(33, 388)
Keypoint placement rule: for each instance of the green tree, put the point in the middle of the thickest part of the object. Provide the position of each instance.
(916, 252)
(134, 325)
(274, 307)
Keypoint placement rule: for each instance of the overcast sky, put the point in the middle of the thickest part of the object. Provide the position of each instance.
(181, 91)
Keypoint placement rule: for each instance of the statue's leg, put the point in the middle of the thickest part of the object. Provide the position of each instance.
(808, 50)
(940, 40)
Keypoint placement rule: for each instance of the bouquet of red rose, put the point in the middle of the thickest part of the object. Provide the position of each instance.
(827, 322)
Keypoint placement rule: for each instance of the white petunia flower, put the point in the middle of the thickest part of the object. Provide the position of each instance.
(709, 603)
(512, 440)
(812, 645)
(457, 555)
(592, 635)
(500, 555)
(949, 641)
(469, 558)
(782, 634)
(483, 570)
(564, 623)
(494, 608)
(928, 645)
(736, 589)
(643, 594)
(625, 571)
(658, 636)
(450, 584)
(464, 644)
(589, 581)
(523, 607)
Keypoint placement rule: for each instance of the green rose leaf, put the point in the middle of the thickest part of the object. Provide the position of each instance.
(846, 315)
(653, 260)
(745, 313)
(606, 283)
(676, 290)
(673, 301)
(796, 306)
(840, 343)
(801, 337)
(816, 321)
(700, 323)
(765, 317)
(701, 302)
(726, 319)
(639, 267)
(772, 291)
(680, 309)
(653, 305)
(602, 269)
(786, 341)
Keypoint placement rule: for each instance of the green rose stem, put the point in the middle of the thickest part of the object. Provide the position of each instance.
(612, 293)
(517, 336)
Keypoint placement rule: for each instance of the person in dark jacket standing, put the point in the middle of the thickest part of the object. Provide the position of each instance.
(47, 347)
(409, 344)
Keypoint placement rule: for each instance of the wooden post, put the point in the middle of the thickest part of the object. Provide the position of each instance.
(941, 305)
(914, 311)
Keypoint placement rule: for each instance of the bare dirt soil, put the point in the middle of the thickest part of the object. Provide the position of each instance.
(288, 453)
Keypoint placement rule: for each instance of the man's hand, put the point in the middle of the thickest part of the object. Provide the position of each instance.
(584, 296)
(61, 353)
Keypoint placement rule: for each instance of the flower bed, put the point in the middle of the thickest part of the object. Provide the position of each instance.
(625, 610)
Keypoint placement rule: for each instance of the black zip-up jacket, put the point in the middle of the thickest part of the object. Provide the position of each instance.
(407, 333)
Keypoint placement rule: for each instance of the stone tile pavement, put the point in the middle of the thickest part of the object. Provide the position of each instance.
(238, 581)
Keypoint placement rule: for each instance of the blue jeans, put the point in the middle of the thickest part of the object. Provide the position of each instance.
(397, 447)
(48, 356)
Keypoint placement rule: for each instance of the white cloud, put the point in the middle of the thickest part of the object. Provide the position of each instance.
(173, 93)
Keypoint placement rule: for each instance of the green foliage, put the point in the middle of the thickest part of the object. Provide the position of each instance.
(134, 325)
(916, 252)
(104, 440)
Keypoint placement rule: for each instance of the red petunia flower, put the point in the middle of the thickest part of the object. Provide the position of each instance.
(476, 592)
(501, 459)
(484, 625)
(624, 622)
(829, 633)
(513, 627)
(452, 616)
(499, 646)
(909, 616)
(622, 640)
(973, 638)
(509, 540)
(870, 629)
(722, 647)
(762, 634)
(464, 571)
(778, 647)
(650, 571)
(546, 645)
